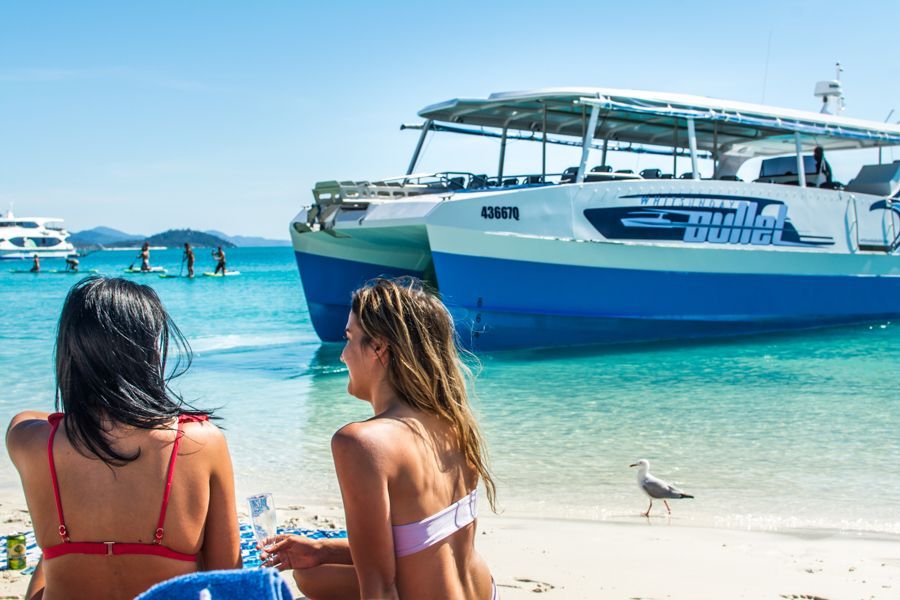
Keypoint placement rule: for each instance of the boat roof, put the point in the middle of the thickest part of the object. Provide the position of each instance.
(39, 220)
(660, 119)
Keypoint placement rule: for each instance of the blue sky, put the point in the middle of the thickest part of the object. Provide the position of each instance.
(223, 115)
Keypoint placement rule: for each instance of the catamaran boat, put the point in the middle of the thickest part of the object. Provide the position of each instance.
(25, 237)
(595, 255)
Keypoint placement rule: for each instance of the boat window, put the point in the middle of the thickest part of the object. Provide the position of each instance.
(785, 165)
(27, 242)
(27, 224)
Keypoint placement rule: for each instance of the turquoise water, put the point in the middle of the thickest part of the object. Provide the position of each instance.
(769, 432)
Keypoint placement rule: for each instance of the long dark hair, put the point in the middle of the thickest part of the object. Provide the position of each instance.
(112, 346)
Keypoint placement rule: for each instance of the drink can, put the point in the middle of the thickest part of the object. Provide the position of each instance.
(15, 552)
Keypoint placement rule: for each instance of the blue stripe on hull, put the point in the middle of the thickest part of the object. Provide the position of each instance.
(328, 283)
(500, 304)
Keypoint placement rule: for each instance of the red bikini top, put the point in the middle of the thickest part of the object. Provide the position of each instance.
(117, 548)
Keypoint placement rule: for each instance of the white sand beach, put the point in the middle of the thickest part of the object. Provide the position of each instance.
(655, 558)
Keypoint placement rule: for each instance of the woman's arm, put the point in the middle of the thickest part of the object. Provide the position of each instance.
(362, 468)
(221, 539)
(285, 551)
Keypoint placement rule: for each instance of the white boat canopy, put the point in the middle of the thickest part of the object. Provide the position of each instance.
(663, 119)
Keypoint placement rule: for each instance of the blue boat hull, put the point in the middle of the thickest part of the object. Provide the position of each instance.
(503, 304)
(329, 282)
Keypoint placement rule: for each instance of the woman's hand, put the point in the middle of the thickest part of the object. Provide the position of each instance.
(285, 551)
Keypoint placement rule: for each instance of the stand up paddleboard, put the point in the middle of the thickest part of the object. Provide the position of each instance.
(53, 272)
(228, 274)
(140, 272)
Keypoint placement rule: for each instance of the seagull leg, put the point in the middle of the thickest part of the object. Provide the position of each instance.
(667, 507)
(647, 514)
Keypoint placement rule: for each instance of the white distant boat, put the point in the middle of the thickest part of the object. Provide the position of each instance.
(25, 237)
(595, 255)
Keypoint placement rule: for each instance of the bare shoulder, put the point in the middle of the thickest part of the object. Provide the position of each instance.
(27, 431)
(203, 436)
(364, 438)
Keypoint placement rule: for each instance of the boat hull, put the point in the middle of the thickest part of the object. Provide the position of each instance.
(328, 284)
(503, 304)
(334, 263)
(620, 262)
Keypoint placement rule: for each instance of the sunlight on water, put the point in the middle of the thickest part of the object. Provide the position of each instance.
(769, 432)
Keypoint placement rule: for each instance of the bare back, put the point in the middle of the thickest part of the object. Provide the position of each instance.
(426, 472)
(123, 504)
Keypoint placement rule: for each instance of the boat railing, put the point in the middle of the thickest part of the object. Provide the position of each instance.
(356, 194)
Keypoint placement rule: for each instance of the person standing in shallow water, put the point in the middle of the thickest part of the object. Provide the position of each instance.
(189, 258)
(132, 473)
(36, 264)
(408, 475)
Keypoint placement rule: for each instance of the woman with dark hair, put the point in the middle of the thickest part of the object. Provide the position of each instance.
(409, 474)
(127, 486)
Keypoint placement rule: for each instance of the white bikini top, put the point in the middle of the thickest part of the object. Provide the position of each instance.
(415, 537)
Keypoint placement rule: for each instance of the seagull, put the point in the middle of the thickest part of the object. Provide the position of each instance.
(654, 487)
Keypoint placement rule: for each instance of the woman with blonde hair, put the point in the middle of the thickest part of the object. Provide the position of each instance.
(408, 475)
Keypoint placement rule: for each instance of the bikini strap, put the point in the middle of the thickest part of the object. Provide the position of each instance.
(54, 421)
(158, 534)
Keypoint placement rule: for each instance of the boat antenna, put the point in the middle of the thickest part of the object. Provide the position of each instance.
(766, 69)
(832, 93)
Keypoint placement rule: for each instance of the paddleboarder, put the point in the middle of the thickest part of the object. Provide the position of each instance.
(145, 256)
(36, 265)
(71, 263)
(189, 258)
(219, 255)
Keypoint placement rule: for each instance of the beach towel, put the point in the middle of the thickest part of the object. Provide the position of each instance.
(237, 584)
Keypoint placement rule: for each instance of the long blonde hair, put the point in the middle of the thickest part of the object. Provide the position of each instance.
(424, 368)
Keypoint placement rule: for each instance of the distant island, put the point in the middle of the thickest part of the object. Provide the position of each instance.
(107, 237)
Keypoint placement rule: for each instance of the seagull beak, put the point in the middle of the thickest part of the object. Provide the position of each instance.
(634, 465)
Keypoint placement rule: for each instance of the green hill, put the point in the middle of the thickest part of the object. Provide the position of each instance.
(173, 238)
(178, 237)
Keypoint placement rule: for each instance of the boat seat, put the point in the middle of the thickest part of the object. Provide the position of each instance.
(569, 175)
(687, 175)
(878, 180)
(651, 174)
(630, 171)
(456, 183)
(602, 169)
(666, 176)
(534, 179)
(477, 182)
(729, 178)
(511, 181)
